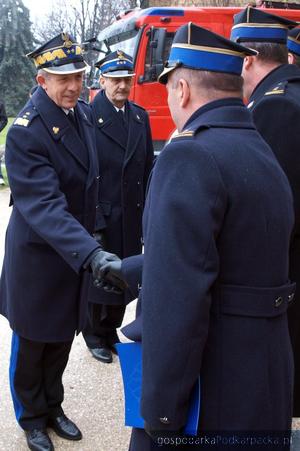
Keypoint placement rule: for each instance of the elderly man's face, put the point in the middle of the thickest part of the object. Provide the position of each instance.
(117, 89)
(64, 90)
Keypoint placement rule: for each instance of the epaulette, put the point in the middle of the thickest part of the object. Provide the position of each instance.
(184, 134)
(25, 117)
(278, 89)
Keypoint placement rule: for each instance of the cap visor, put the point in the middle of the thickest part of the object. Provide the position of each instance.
(163, 77)
(66, 69)
(118, 73)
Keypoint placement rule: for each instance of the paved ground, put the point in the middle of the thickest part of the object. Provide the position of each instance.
(93, 391)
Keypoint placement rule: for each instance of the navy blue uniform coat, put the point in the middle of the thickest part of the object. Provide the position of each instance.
(215, 286)
(53, 180)
(125, 165)
(275, 105)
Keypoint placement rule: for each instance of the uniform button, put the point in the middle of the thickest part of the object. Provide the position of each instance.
(98, 177)
(75, 254)
(125, 183)
(164, 420)
(291, 297)
(138, 205)
(97, 206)
(138, 182)
(278, 301)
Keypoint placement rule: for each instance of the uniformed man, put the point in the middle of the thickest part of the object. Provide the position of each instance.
(293, 45)
(215, 285)
(273, 89)
(52, 170)
(124, 146)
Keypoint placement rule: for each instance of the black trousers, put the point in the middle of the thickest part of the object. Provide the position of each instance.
(35, 375)
(101, 325)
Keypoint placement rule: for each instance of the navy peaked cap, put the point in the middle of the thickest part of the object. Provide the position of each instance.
(62, 54)
(195, 47)
(255, 25)
(293, 42)
(116, 64)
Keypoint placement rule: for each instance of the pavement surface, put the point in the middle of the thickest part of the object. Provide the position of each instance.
(93, 390)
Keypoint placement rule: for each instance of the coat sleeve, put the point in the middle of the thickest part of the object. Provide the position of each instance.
(274, 118)
(184, 212)
(132, 268)
(36, 192)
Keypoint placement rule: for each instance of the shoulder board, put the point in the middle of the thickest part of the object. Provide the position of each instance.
(278, 89)
(138, 106)
(25, 117)
(184, 134)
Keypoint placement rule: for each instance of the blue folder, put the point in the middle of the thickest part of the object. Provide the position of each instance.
(130, 355)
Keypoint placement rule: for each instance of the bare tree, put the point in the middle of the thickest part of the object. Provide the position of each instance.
(83, 19)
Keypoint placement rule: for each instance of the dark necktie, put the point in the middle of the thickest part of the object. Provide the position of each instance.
(121, 115)
(72, 118)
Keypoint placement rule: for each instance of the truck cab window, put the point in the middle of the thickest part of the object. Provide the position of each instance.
(151, 75)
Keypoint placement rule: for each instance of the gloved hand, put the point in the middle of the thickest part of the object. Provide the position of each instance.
(116, 288)
(111, 285)
(99, 259)
(112, 269)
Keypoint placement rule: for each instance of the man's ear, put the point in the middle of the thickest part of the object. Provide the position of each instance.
(291, 58)
(248, 61)
(102, 82)
(184, 92)
(40, 79)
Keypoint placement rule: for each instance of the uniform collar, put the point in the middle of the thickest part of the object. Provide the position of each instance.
(284, 72)
(226, 113)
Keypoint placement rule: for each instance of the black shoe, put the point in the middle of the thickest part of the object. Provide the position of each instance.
(103, 354)
(65, 428)
(39, 440)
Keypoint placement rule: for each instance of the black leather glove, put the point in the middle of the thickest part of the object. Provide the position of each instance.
(99, 259)
(116, 287)
(112, 269)
(111, 285)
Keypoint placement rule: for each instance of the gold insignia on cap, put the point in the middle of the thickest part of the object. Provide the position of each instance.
(21, 121)
(100, 120)
(120, 54)
(67, 42)
(55, 130)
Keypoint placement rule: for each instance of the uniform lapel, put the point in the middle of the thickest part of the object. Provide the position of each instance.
(87, 131)
(135, 130)
(107, 121)
(60, 127)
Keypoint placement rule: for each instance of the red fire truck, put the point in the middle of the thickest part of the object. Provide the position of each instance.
(146, 35)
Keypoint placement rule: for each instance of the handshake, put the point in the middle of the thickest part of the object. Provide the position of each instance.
(107, 272)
